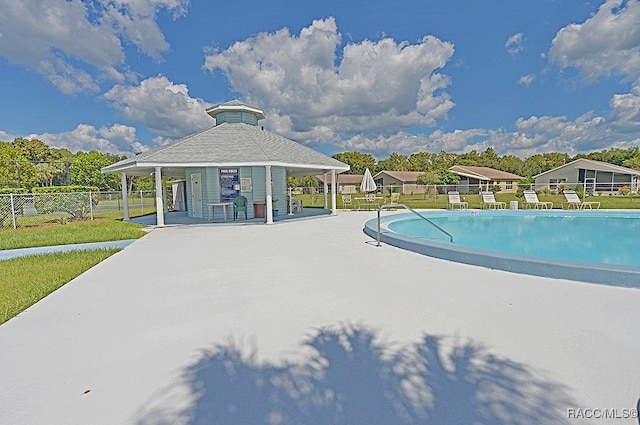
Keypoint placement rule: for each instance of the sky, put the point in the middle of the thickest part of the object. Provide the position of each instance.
(520, 76)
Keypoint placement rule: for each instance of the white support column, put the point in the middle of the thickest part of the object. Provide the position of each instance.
(125, 203)
(159, 206)
(326, 191)
(269, 205)
(334, 186)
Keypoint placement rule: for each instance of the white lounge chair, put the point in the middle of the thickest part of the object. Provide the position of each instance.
(454, 200)
(531, 201)
(489, 201)
(573, 201)
(395, 198)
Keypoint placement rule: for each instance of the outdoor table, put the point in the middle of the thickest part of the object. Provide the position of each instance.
(368, 202)
(211, 209)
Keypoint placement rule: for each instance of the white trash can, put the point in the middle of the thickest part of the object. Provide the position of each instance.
(513, 205)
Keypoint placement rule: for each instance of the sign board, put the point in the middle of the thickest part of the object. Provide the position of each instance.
(229, 184)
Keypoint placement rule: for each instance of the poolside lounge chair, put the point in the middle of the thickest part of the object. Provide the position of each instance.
(531, 201)
(489, 201)
(454, 200)
(395, 197)
(573, 201)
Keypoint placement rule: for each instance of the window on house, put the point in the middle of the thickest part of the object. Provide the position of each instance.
(509, 184)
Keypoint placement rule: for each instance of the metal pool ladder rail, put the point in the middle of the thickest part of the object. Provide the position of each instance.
(385, 206)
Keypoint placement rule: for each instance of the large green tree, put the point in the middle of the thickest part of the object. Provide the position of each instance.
(395, 162)
(357, 161)
(15, 169)
(85, 170)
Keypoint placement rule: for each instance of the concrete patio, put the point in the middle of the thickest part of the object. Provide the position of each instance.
(307, 322)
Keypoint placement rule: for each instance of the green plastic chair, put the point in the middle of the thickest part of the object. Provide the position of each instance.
(239, 205)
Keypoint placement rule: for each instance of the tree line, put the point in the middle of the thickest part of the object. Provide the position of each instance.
(28, 163)
(435, 167)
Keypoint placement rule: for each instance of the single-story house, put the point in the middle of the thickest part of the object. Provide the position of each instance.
(347, 183)
(234, 157)
(594, 176)
(474, 178)
(405, 181)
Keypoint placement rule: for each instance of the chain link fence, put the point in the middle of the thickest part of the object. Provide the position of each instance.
(33, 209)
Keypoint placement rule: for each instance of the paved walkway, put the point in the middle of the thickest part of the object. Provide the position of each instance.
(307, 322)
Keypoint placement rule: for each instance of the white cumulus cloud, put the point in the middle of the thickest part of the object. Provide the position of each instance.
(54, 36)
(162, 106)
(526, 80)
(117, 139)
(514, 44)
(606, 43)
(314, 92)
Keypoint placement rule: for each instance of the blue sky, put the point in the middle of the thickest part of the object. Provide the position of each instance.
(522, 77)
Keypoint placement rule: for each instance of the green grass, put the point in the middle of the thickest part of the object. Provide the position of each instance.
(26, 280)
(440, 201)
(71, 233)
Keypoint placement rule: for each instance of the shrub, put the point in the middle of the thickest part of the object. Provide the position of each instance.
(70, 199)
(624, 190)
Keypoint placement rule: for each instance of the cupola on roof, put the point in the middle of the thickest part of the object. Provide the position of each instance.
(235, 112)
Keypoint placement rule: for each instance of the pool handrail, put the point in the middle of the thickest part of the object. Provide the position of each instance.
(385, 206)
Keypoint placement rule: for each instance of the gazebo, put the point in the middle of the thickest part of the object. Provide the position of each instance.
(234, 157)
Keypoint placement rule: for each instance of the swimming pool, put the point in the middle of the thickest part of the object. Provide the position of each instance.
(590, 246)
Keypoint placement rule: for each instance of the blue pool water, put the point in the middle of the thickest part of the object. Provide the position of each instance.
(575, 236)
(590, 246)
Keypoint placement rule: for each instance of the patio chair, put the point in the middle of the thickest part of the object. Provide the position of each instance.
(347, 202)
(371, 199)
(239, 205)
(489, 201)
(454, 200)
(395, 198)
(531, 201)
(573, 201)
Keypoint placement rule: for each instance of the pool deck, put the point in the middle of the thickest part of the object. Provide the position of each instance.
(199, 324)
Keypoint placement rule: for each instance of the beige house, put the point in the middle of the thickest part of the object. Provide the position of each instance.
(347, 183)
(593, 176)
(405, 181)
(472, 179)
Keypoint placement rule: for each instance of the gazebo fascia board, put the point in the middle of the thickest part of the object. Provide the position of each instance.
(143, 168)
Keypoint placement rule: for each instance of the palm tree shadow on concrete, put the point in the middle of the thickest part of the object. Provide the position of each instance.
(355, 378)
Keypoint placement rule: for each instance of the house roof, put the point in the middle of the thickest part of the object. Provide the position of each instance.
(230, 145)
(403, 176)
(593, 165)
(483, 173)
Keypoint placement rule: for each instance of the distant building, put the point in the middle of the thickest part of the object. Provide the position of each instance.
(347, 183)
(594, 176)
(405, 181)
(473, 178)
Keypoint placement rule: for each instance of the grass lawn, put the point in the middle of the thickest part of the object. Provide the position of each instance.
(440, 201)
(26, 280)
(75, 232)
